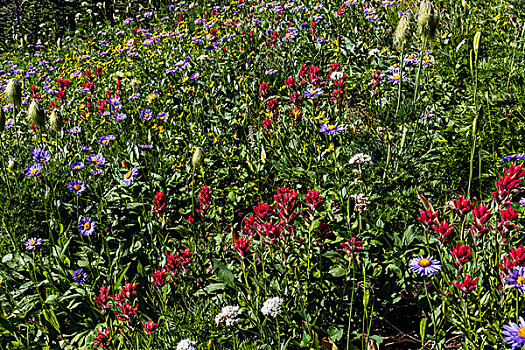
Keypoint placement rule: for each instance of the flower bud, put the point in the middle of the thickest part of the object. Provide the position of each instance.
(55, 121)
(403, 32)
(11, 165)
(36, 114)
(13, 93)
(198, 158)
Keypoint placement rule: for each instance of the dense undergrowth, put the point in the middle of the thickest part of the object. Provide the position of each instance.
(251, 175)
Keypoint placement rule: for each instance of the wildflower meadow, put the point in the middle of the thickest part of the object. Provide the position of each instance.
(262, 175)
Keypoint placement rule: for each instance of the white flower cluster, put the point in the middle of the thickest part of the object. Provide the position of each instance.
(361, 158)
(272, 307)
(187, 344)
(228, 315)
(360, 202)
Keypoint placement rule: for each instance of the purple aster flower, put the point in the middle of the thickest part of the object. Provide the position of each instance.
(427, 114)
(86, 226)
(424, 266)
(332, 129)
(145, 146)
(304, 26)
(163, 116)
(76, 186)
(85, 148)
(517, 278)
(370, 11)
(411, 59)
(80, 276)
(195, 76)
(522, 201)
(130, 176)
(104, 140)
(371, 18)
(96, 159)
(312, 92)
(32, 243)
(271, 71)
(40, 155)
(96, 171)
(119, 117)
(76, 166)
(387, 3)
(134, 96)
(33, 170)
(519, 156)
(75, 130)
(396, 78)
(514, 334)
(146, 114)
(9, 123)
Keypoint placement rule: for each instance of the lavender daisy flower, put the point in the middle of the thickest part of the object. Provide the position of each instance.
(396, 78)
(134, 96)
(514, 334)
(40, 155)
(86, 226)
(332, 129)
(80, 276)
(76, 166)
(370, 11)
(146, 114)
(96, 171)
(312, 92)
(424, 266)
(76, 186)
(519, 156)
(119, 117)
(85, 148)
(163, 116)
(32, 243)
(145, 146)
(33, 170)
(517, 278)
(96, 159)
(271, 72)
(195, 76)
(522, 201)
(411, 59)
(130, 176)
(427, 114)
(9, 123)
(75, 130)
(104, 140)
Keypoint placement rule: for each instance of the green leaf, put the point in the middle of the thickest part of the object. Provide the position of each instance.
(337, 271)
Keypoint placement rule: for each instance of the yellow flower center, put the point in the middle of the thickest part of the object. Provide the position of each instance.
(520, 280)
(34, 171)
(76, 187)
(87, 226)
(104, 141)
(397, 77)
(94, 159)
(128, 174)
(42, 159)
(33, 242)
(424, 262)
(146, 115)
(77, 166)
(313, 92)
(331, 127)
(521, 332)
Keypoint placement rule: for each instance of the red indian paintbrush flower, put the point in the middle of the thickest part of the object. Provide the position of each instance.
(242, 246)
(102, 299)
(443, 231)
(102, 338)
(467, 285)
(150, 327)
(427, 216)
(460, 253)
(462, 205)
(158, 277)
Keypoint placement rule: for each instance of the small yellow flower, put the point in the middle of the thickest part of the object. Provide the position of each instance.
(330, 148)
